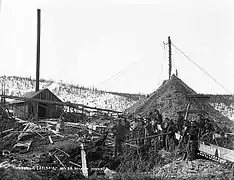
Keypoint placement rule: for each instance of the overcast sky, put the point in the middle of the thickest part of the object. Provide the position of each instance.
(117, 45)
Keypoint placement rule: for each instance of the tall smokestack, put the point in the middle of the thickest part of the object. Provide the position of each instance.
(38, 48)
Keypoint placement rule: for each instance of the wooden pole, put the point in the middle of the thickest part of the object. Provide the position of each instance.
(169, 48)
(38, 48)
(83, 159)
(187, 110)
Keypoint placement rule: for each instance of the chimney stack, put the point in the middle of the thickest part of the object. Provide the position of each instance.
(38, 48)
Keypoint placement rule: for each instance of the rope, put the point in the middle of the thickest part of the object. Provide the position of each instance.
(209, 115)
(173, 60)
(118, 74)
(186, 56)
(164, 59)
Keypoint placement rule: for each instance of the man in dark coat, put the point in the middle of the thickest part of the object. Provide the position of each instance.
(208, 130)
(158, 116)
(119, 131)
(170, 129)
(148, 130)
(201, 124)
(180, 122)
(165, 126)
(127, 127)
(149, 127)
(193, 141)
(127, 124)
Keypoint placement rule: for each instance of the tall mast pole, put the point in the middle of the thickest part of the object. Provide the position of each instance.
(169, 48)
(38, 48)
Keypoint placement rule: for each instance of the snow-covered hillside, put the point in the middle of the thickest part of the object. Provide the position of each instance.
(17, 86)
(224, 104)
(227, 111)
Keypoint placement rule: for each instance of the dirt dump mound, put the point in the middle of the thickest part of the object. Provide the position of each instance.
(171, 97)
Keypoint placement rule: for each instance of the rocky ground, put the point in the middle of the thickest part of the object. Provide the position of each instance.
(169, 98)
(197, 169)
(162, 165)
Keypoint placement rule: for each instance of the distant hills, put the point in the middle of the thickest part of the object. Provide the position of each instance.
(90, 96)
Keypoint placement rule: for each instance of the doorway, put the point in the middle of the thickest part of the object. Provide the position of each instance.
(41, 110)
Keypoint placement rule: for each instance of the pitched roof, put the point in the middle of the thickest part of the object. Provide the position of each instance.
(29, 95)
(32, 94)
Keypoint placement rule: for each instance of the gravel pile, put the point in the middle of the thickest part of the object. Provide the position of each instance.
(199, 168)
(170, 97)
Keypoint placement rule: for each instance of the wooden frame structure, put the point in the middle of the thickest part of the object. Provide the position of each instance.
(80, 107)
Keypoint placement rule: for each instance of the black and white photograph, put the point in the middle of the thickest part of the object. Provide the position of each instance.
(116, 89)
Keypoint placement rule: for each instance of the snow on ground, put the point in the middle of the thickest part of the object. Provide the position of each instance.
(17, 86)
(227, 111)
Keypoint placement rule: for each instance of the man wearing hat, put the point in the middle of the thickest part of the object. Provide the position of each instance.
(148, 130)
(201, 124)
(158, 116)
(180, 122)
(119, 131)
(193, 141)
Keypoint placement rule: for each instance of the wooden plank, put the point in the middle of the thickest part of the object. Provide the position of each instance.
(50, 139)
(74, 164)
(26, 144)
(187, 110)
(8, 130)
(216, 151)
(198, 97)
(83, 160)
(194, 111)
(60, 162)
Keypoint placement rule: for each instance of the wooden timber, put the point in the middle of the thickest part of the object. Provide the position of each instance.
(194, 111)
(216, 153)
(199, 97)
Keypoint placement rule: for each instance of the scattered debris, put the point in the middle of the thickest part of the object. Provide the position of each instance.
(86, 144)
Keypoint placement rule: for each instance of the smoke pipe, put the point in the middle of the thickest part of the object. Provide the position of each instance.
(38, 48)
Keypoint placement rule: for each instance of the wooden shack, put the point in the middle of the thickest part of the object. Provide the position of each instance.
(27, 108)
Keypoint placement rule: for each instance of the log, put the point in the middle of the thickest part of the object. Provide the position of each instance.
(74, 164)
(59, 160)
(8, 130)
(83, 159)
(50, 139)
(63, 152)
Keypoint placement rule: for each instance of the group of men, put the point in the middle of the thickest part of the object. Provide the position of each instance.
(157, 133)
(136, 128)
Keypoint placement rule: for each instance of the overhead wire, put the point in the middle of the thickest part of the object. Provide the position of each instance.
(173, 60)
(116, 75)
(204, 72)
(209, 114)
(187, 57)
(164, 59)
